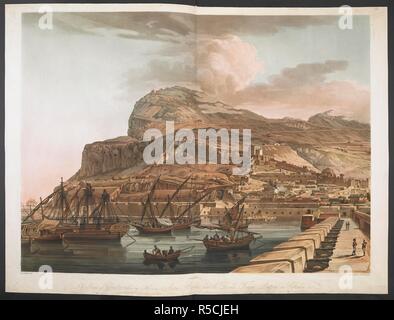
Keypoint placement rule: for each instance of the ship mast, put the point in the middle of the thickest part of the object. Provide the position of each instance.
(234, 232)
(234, 209)
(40, 205)
(173, 196)
(88, 194)
(62, 198)
(148, 201)
(192, 205)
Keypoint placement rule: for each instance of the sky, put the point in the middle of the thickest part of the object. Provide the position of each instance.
(82, 77)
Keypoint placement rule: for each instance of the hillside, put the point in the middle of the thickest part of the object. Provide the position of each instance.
(322, 141)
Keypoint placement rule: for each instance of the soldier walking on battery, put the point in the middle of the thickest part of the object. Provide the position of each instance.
(354, 247)
(364, 247)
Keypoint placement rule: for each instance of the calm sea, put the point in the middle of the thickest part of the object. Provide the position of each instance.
(127, 257)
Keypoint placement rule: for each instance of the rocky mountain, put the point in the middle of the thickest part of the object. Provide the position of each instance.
(186, 107)
(322, 141)
(325, 119)
(110, 155)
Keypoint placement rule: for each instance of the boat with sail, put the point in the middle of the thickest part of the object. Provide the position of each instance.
(73, 220)
(52, 221)
(230, 217)
(150, 223)
(100, 224)
(235, 239)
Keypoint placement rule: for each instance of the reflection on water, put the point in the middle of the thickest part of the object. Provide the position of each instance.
(126, 257)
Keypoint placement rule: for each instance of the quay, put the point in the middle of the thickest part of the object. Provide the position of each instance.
(342, 254)
(310, 251)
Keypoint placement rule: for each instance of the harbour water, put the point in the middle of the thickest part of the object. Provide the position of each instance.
(127, 257)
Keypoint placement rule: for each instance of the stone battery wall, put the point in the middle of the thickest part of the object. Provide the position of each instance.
(292, 255)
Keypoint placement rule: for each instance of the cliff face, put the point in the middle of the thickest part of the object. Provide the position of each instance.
(186, 107)
(109, 155)
(322, 141)
(286, 153)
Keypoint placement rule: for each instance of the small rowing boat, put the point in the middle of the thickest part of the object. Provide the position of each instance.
(149, 257)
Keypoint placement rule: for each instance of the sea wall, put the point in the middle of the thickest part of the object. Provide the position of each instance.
(299, 253)
(363, 220)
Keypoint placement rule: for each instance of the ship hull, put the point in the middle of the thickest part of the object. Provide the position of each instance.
(53, 237)
(92, 236)
(182, 226)
(239, 244)
(161, 258)
(228, 228)
(71, 232)
(106, 232)
(151, 230)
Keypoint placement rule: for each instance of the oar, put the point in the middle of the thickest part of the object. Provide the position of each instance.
(251, 232)
(187, 249)
(210, 227)
(259, 247)
(132, 238)
(67, 244)
(34, 252)
(258, 239)
(201, 227)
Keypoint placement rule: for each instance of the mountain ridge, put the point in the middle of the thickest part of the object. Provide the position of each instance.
(324, 140)
(183, 105)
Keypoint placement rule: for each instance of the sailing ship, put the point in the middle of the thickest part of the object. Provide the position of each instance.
(54, 210)
(185, 221)
(230, 217)
(64, 220)
(150, 223)
(237, 239)
(101, 223)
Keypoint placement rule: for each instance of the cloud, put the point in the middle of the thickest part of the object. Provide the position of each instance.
(226, 65)
(174, 27)
(170, 71)
(155, 26)
(303, 91)
(307, 73)
(216, 66)
(223, 64)
(256, 25)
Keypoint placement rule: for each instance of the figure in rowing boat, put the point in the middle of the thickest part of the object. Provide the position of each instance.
(158, 255)
(156, 250)
(216, 237)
